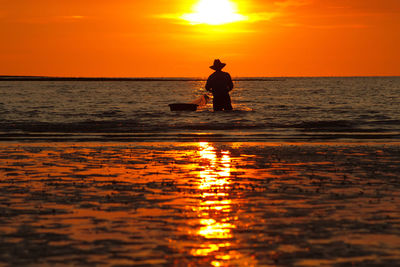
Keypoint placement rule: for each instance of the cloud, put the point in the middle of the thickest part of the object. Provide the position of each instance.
(331, 26)
(291, 3)
(73, 17)
(51, 19)
(262, 16)
(245, 18)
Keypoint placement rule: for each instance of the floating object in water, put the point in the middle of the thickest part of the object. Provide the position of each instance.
(201, 101)
(182, 107)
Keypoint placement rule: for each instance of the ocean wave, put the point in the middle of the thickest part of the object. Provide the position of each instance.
(196, 137)
(233, 126)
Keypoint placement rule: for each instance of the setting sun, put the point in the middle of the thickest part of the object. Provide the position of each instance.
(214, 12)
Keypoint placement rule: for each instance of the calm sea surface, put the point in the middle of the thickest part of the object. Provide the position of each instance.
(282, 109)
(303, 172)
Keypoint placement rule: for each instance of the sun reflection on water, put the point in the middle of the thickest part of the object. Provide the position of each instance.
(216, 222)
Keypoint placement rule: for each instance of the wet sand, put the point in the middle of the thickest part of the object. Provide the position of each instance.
(199, 204)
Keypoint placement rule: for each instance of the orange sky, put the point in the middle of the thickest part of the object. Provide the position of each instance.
(147, 38)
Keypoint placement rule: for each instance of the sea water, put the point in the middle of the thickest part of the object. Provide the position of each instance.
(265, 109)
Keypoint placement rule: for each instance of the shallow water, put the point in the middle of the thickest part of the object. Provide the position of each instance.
(191, 204)
(282, 109)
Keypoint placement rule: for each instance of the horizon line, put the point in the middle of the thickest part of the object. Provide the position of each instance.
(166, 78)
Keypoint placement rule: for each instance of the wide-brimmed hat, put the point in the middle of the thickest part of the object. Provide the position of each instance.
(218, 65)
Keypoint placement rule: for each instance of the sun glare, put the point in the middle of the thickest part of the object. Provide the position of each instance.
(214, 12)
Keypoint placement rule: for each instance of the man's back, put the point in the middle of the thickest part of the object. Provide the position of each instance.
(219, 83)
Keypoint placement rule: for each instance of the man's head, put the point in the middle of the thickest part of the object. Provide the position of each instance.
(218, 65)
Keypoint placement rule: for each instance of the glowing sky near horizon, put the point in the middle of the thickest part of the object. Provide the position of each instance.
(156, 38)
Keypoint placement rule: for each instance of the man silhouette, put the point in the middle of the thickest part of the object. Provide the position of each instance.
(220, 84)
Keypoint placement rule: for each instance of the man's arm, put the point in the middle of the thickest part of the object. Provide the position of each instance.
(208, 84)
(230, 83)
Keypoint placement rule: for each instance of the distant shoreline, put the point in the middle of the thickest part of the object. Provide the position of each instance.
(166, 79)
(106, 79)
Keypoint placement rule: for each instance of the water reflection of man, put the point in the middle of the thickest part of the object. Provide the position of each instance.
(220, 84)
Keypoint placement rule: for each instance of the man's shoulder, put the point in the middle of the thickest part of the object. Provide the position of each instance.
(219, 74)
(226, 74)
